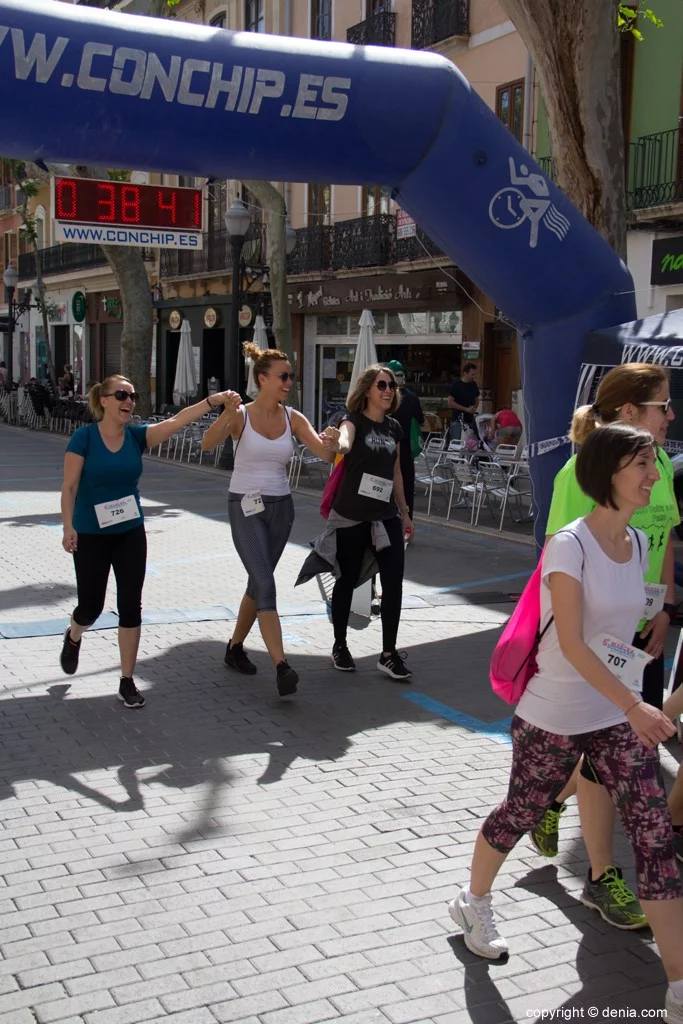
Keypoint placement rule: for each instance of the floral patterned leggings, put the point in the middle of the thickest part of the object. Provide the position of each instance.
(542, 763)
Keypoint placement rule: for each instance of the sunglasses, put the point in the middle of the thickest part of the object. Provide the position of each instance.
(122, 395)
(284, 377)
(664, 406)
(382, 385)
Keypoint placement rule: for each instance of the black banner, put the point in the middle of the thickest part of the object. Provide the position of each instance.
(667, 261)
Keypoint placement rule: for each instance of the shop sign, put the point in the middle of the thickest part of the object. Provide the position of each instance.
(111, 306)
(405, 225)
(211, 317)
(78, 307)
(175, 319)
(411, 291)
(245, 316)
(471, 349)
(667, 261)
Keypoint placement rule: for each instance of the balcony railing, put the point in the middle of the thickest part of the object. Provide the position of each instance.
(434, 20)
(655, 170)
(59, 259)
(350, 244)
(215, 257)
(377, 30)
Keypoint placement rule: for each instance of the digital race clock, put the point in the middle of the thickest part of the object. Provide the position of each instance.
(123, 213)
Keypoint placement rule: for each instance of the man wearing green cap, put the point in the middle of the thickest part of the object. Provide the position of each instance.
(409, 410)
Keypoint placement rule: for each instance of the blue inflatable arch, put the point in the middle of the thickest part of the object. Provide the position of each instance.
(86, 86)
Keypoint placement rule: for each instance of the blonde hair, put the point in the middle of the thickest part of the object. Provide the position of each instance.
(358, 397)
(98, 390)
(262, 359)
(630, 384)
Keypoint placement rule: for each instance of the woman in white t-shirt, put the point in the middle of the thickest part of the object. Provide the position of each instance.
(586, 698)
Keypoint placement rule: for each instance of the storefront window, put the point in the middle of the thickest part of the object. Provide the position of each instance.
(408, 323)
(331, 325)
(448, 322)
(335, 364)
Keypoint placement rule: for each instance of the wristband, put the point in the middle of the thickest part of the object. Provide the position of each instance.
(632, 706)
(209, 404)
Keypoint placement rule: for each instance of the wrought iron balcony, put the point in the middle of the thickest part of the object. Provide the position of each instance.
(419, 247)
(434, 20)
(60, 259)
(546, 165)
(215, 257)
(655, 170)
(313, 250)
(360, 242)
(377, 30)
(364, 242)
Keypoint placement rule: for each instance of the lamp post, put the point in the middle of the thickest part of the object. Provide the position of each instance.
(237, 223)
(10, 278)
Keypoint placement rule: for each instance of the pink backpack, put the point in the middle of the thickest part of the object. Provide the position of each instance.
(331, 489)
(514, 659)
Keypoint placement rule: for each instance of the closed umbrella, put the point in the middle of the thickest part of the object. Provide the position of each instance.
(366, 353)
(261, 339)
(185, 383)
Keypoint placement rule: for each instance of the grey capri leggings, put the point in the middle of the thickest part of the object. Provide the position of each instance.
(260, 541)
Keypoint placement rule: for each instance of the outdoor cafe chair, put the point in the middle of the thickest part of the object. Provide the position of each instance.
(433, 474)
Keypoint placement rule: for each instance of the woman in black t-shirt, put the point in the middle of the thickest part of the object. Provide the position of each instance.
(370, 490)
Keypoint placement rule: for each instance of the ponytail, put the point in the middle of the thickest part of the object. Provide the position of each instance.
(584, 422)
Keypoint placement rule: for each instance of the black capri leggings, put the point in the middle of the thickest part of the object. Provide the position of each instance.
(352, 543)
(260, 541)
(126, 554)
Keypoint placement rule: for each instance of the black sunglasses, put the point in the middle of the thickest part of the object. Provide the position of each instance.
(284, 377)
(382, 385)
(122, 395)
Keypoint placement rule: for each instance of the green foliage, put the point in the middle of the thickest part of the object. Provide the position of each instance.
(627, 18)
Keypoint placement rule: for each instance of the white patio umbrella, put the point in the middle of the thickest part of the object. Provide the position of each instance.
(261, 339)
(366, 353)
(185, 383)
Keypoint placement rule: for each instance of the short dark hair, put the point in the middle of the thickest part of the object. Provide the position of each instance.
(601, 455)
(468, 366)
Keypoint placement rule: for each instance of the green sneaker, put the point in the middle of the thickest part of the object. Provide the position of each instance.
(544, 836)
(613, 900)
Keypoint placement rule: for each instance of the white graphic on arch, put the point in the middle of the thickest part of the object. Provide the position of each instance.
(510, 206)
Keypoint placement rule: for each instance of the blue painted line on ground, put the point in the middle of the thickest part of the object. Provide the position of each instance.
(481, 582)
(498, 731)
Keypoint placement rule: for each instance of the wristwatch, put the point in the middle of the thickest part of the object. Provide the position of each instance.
(670, 610)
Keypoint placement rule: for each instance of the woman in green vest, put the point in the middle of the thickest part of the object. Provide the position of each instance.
(636, 393)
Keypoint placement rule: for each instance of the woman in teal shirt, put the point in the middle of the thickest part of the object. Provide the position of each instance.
(102, 516)
(636, 393)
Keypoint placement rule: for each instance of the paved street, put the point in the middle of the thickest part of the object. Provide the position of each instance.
(226, 856)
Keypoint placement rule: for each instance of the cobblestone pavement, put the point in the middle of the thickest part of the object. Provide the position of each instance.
(223, 855)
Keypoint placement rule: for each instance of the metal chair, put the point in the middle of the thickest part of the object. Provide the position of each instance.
(504, 487)
(431, 474)
(472, 491)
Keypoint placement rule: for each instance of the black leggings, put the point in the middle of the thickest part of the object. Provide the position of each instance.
(126, 554)
(352, 543)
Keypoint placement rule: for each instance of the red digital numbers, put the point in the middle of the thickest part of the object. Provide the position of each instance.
(87, 201)
(168, 204)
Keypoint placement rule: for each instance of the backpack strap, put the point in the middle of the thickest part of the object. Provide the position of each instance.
(583, 562)
(640, 547)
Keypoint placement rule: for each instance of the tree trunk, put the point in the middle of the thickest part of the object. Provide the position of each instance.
(136, 299)
(273, 204)
(46, 326)
(575, 47)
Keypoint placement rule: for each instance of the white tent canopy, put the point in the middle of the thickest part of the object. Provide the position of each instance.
(366, 353)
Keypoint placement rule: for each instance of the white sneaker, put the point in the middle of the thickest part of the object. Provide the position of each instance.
(673, 1009)
(479, 929)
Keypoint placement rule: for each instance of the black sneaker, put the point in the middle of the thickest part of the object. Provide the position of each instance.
(341, 658)
(68, 659)
(236, 657)
(287, 679)
(129, 694)
(394, 666)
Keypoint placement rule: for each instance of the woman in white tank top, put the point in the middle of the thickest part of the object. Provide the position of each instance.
(260, 503)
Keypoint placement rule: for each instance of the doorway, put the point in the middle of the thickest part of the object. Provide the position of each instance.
(213, 358)
(60, 351)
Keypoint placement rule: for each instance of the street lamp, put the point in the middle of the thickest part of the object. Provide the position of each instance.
(10, 278)
(237, 223)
